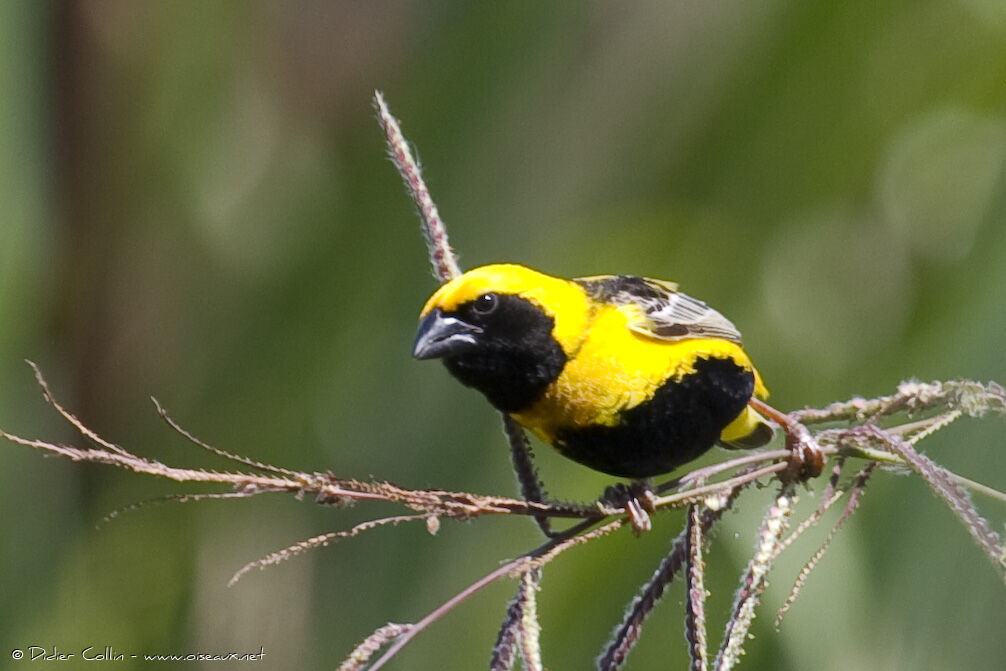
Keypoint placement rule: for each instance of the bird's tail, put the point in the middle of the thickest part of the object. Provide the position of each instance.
(747, 431)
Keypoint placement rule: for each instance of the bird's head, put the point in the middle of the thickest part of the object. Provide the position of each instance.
(503, 329)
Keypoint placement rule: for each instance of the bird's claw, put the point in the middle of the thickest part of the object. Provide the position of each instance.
(636, 499)
(807, 459)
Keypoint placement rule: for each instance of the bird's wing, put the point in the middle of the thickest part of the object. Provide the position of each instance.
(663, 311)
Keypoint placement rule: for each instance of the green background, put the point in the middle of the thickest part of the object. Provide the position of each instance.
(197, 205)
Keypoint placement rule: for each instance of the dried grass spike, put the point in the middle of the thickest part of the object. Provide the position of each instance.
(442, 257)
(850, 508)
(531, 487)
(624, 636)
(505, 651)
(695, 615)
(318, 542)
(530, 630)
(364, 651)
(215, 450)
(753, 584)
(944, 485)
(176, 498)
(70, 417)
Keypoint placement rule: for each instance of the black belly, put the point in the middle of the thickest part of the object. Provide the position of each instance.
(682, 420)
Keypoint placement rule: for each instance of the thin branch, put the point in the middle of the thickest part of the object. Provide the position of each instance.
(698, 494)
(978, 487)
(69, 417)
(973, 398)
(321, 541)
(230, 456)
(843, 439)
(531, 487)
(442, 257)
(532, 560)
(328, 488)
(695, 612)
(530, 630)
(948, 490)
(178, 498)
(831, 494)
(325, 487)
(626, 634)
(567, 540)
(520, 627)
(505, 651)
(754, 582)
(699, 476)
(458, 505)
(850, 508)
(364, 651)
(916, 431)
(445, 608)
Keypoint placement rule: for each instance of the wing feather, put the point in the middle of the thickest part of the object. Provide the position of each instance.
(663, 311)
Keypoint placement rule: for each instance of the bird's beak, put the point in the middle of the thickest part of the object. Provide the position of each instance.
(441, 335)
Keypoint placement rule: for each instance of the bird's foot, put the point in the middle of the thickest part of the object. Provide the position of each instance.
(636, 499)
(806, 458)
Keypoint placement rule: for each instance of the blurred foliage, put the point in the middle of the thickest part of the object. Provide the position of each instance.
(197, 205)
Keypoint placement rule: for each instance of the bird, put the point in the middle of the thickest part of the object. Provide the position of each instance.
(623, 374)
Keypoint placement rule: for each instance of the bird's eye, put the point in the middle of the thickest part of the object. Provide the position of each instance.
(485, 304)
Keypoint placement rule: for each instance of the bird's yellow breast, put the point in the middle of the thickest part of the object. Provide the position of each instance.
(615, 369)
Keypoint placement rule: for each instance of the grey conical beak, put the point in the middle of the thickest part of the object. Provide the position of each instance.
(441, 335)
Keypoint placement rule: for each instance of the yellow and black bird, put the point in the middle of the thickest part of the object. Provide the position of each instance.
(623, 374)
